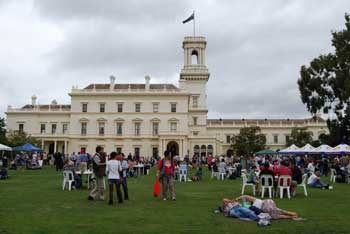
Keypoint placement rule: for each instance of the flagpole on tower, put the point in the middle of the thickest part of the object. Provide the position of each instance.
(194, 25)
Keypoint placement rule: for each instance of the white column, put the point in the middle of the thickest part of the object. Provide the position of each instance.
(65, 147)
(55, 147)
(42, 145)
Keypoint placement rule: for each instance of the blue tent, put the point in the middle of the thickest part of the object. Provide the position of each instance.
(27, 147)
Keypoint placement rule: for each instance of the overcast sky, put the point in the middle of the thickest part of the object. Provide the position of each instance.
(254, 51)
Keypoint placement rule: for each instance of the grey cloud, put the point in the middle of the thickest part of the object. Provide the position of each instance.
(255, 49)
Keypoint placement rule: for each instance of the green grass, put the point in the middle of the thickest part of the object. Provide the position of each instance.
(33, 202)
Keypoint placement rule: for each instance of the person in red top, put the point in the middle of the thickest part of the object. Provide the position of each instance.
(283, 169)
(166, 173)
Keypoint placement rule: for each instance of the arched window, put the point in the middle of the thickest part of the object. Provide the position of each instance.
(194, 57)
(210, 150)
(196, 149)
(203, 150)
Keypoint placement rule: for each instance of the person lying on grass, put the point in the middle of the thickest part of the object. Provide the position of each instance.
(268, 206)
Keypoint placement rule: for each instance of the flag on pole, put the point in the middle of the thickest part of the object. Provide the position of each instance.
(189, 18)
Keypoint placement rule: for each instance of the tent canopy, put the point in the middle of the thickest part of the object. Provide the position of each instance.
(307, 149)
(266, 152)
(323, 149)
(27, 147)
(5, 147)
(341, 149)
(293, 149)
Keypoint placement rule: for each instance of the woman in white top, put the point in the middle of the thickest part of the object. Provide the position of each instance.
(113, 170)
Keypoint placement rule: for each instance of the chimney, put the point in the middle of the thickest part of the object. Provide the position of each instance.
(147, 81)
(112, 82)
(34, 100)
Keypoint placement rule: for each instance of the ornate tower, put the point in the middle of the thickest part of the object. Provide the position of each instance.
(193, 79)
(195, 74)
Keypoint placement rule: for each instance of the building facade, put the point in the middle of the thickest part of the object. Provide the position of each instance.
(146, 118)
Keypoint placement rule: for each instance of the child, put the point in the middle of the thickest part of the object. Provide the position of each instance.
(113, 168)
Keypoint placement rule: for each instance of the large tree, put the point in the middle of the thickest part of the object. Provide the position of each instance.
(325, 85)
(300, 137)
(248, 141)
(3, 139)
(17, 138)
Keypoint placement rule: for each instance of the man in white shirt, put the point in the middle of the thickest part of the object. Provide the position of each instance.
(113, 168)
(315, 181)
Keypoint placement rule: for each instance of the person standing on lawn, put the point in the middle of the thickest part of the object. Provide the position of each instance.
(166, 173)
(99, 164)
(113, 170)
(125, 167)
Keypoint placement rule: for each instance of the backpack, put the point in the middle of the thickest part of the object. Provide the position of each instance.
(94, 165)
(3, 174)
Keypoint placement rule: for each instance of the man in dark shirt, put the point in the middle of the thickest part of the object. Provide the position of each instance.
(297, 177)
(267, 171)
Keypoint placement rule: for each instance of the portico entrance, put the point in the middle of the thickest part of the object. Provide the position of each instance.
(173, 147)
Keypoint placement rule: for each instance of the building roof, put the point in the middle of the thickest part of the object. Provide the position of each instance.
(265, 121)
(132, 86)
(47, 107)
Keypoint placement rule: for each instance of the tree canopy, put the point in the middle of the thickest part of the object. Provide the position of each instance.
(17, 138)
(324, 85)
(248, 141)
(300, 137)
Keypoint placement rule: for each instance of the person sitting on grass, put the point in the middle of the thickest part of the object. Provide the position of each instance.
(269, 206)
(198, 176)
(315, 182)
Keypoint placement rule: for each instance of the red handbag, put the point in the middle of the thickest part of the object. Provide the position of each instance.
(156, 188)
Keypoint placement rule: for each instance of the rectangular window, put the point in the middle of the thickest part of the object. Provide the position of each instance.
(64, 128)
(83, 129)
(120, 107)
(137, 107)
(20, 127)
(84, 107)
(173, 127)
(119, 129)
(195, 101)
(195, 133)
(137, 151)
(102, 107)
(53, 128)
(119, 150)
(155, 107)
(287, 138)
(101, 128)
(228, 139)
(137, 129)
(155, 152)
(173, 107)
(155, 127)
(195, 120)
(42, 128)
(275, 139)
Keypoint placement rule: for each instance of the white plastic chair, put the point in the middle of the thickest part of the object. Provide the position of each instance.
(266, 183)
(182, 175)
(333, 175)
(222, 173)
(245, 183)
(40, 163)
(303, 184)
(68, 179)
(284, 183)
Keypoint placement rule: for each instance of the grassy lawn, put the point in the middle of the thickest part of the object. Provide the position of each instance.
(33, 202)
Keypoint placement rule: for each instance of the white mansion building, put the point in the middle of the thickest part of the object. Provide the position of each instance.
(146, 118)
